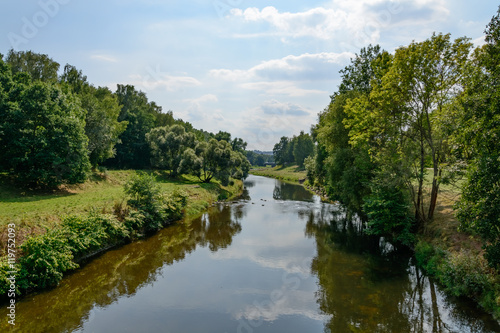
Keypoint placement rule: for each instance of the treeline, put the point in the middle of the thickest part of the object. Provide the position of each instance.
(55, 128)
(401, 125)
(293, 150)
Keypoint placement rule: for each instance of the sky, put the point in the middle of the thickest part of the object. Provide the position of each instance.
(257, 69)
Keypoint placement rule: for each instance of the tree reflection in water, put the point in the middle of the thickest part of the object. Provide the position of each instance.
(367, 285)
(122, 272)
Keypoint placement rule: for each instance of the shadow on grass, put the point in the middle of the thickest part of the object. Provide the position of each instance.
(12, 192)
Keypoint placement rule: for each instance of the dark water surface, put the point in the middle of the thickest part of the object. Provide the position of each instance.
(277, 260)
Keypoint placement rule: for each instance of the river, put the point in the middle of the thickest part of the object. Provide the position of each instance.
(275, 260)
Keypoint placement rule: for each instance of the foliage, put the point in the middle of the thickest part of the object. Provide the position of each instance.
(167, 145)
(88, 234)
(466, 274)
(43, 136)
(39, 66)
(46, 258)
(214, 159)
(478, 208)
(387, 208)
(302, 148)
(140, 114)
(156, 208)
(283, 151)
(101, 120)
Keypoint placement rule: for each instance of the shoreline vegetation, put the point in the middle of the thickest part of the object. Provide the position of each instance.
(57, 231)
(453, 258)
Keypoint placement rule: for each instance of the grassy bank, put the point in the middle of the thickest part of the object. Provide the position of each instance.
(455, 258)
(44, 235)
(291, 173)
(34, 212)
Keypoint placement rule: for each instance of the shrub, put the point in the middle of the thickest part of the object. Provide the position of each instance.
(387, 209)
(46, 258)
(465, 274)
(157, 208)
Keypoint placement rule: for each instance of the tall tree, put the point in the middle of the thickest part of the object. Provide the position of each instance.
(479, 136)
(38, 66)
(44, 135)
(132, 151)
(101, 115)
(303, 148)
(400, 118)
(167, 145)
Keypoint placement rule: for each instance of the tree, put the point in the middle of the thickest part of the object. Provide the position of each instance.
(478, 136)
(238, 145)
(303, 148)
(44, 135)
(167, 145)
(132, 151)
(221, 135)
(214, 159)
(281, 151)
(102, 110)
(38, 66)
(400, 119)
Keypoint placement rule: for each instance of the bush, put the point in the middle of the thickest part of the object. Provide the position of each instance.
(465, 274)
(387, 209)
(156, 208)
(428, 258)
(46, 258)
(88, 234)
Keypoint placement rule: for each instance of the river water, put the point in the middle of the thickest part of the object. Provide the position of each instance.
(276, 260)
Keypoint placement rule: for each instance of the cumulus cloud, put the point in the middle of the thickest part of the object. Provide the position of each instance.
(307, 66)
(274, 107)
(281, 88)
(360, 21)
(155, 79)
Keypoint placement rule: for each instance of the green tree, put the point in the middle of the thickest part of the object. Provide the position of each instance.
(302, 148)
(214, 159)
(44, 136)
(479, 133)
(238, 145)
(400, 119)
(133, 150)
(167, 145)
(102, 110)
(283, 151)
(38, 66)
(221, 135)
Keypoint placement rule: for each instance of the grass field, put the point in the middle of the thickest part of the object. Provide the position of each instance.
(292, 173)
(33, 211)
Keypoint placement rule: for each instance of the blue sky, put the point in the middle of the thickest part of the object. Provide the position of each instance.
(257, 69)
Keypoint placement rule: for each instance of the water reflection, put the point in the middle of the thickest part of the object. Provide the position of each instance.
(277, 260)
(121, 272)
(366, 285)
(287, 191)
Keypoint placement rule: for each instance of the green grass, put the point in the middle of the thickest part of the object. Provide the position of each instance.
(292, 173)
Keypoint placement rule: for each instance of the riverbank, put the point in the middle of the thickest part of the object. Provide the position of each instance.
(293, 174)
(451, 257)
(48, 234)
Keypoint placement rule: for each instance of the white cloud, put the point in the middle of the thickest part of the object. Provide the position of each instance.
(306, 66)
(356, 22)
(281, 88)
(103, 57)
(156, 79)
(273, 107)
